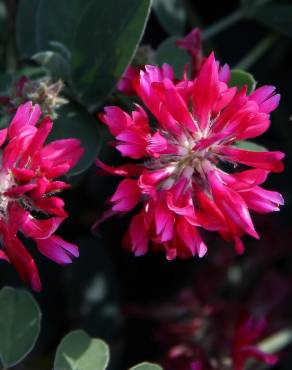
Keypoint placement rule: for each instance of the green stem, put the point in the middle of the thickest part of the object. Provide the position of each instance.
(222, 24)
(257, 52)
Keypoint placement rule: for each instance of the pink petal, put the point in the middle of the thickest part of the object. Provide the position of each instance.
(116, 119)
(65, 151)
(262, 200)
(270, 161)
(124, 170)
(138, 235)
(164, 221)
(133, 143)
(205, 91)
(23, 262)
(190, 236)
(41, 229)
(232, 206)
(266, 98)
(157, 144)
(57, 249)
(3, 136)
(126, 196)
(18, 191)
(26, 115)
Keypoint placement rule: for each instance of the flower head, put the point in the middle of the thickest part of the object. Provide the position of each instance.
(42, 91)
(180, 178)
(29, 204)
(246, 334)
(192, 44)
(143, 56)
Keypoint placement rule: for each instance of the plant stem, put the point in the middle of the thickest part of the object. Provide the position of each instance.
(257, 52)
(222, 24)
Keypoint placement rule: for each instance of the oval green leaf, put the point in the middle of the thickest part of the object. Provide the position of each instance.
(75, 122)
(78, 351)
(171, 15)
(146, 366)
(168, 52)
(20, 320)
(112, 30)
(240, 78)
(101, 36)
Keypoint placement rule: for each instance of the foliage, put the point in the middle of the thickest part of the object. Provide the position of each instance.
(84, 49)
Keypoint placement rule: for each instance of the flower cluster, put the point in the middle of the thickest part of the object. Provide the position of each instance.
(221, 320)
(42, 91)
(29, 205)
(182, 176)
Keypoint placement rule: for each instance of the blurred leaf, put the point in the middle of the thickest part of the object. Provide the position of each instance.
(20, 319)
(239, 78)
(95, 298)
(5, 81)
(277, 17)
(101, 36)
(54, 62)
(75, 122)
(168, 52)
(30, 72)
(250, 5)
(171, 14)
(99, 62)
(57, 21)
(25, 27)
(3, 18)
(77, 351)
(277, 341)
(146, 366)
(249, 145)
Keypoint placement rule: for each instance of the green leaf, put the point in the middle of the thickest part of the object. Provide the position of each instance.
(101, 37)
(20, 319)
(277, 17)
(25, 27)
(75, 122)
(168, 52)
(54, 62)
(77, 351)
(112, 30)
(146, 366)
(171, 14)
(239, 78)
(251, 146)
(58, 21)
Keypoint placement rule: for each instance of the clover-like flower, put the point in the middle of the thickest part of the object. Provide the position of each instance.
(29, 205)
(180, 180)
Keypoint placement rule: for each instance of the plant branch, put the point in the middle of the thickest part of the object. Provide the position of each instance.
(257, 52)
(222, 24)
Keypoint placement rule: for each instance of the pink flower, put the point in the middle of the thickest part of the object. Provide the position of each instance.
(29, 204)
(126, 83)
(244, 347)
(192, 43)
(179, 177)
